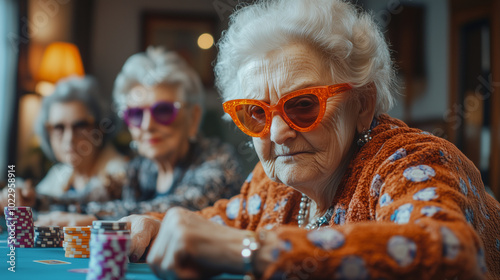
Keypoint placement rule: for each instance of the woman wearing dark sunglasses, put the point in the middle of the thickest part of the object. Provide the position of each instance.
(342, 190)
(161, 100)
(74, 130)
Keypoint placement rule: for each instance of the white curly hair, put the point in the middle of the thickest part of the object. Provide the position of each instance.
(157, 66)
(351, 42)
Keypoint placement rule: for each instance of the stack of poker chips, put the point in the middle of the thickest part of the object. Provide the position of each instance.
(109, 245)
(47, 236)
(77, 242)
(108, 226)
(61, 236)
(19, 222)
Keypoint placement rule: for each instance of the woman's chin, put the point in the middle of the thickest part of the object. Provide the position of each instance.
(294, 178)
(152, 151)
(156, 155)
(72, 160)
(153, 155)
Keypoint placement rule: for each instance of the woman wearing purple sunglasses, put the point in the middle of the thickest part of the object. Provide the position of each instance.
(160, 98)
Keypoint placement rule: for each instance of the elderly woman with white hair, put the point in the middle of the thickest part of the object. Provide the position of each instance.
(161, 100)
(342, 190)
(75, 131)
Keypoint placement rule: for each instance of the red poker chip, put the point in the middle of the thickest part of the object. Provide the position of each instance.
(23, 238)
(24, 242)
(23, 246)
(17, 215)
(22, 219)
(24, 232)
(24, 227)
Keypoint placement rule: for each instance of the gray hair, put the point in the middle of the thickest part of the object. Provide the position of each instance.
(155, 67)
(84, 90)
(349, 40)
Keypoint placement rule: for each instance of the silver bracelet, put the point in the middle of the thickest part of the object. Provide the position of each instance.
(250, 245)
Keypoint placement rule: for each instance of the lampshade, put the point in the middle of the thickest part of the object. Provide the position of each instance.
(60, 60)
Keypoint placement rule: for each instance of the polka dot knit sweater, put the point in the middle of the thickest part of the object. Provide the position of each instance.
(410, 206)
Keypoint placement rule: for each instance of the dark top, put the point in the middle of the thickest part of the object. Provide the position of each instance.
(210, 171)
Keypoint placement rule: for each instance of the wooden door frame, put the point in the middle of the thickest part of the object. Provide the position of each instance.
(495, 100)
(462, 12)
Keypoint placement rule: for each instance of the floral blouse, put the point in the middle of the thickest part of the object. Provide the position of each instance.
(209, 172)
(410, 206)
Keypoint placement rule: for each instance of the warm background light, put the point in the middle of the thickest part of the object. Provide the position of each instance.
(205, 41)
(45, 88)
(60, 60)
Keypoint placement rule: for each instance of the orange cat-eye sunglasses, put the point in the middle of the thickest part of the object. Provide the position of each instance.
(302, 110)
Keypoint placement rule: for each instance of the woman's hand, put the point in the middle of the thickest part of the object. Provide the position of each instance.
(62, 219)
(143, 230)
(189, 246)
(24, 195)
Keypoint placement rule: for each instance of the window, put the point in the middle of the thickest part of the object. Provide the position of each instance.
(8, 57)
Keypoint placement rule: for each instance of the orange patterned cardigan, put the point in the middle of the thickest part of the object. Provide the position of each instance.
(410, 206)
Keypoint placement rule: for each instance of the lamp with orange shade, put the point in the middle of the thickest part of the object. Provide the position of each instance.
(59, 60)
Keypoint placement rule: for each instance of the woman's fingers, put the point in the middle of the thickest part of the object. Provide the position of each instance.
(43, 220)
(140, 242)
(161, 254)
(187, 246)
(24, 195)
(57, 218)
(28, 194)
(143, 230)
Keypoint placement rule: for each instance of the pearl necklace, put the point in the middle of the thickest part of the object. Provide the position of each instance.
(304, 210)
(305, 202)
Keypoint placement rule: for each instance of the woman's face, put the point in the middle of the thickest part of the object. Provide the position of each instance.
(71, 137)
(156, 141)
(303, 160)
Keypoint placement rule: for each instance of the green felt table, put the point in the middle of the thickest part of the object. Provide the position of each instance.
(26, 268)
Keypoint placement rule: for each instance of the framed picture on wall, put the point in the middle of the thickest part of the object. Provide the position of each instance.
(185, 34)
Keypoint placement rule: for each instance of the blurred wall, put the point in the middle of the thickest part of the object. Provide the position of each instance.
(8, 25)
(433, 100)
(46, 22)
(116, 31)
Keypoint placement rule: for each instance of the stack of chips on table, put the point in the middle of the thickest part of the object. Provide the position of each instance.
(22, 218)
(61, 236)
(109, 245)
(77, 242)
(47, 236)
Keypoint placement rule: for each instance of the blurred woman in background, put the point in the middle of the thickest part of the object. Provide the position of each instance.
(161, 100)
(74, 131)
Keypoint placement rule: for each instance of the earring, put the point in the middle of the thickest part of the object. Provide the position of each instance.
(364, 137)
(133, 145)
